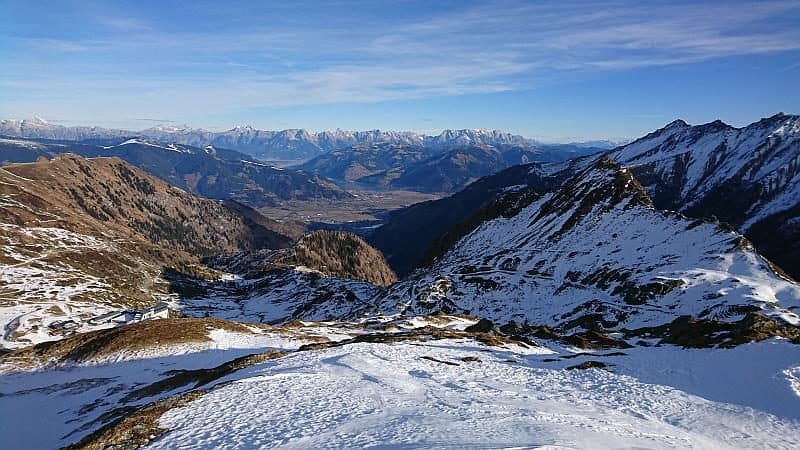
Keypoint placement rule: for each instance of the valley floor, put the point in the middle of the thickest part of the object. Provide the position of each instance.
(365, 206)
(449, 393)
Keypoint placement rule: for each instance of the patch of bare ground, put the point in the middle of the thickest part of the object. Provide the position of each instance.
(585, 339)
(200, 377)
(588, 365)
(427, 333)
(440, 361)
(688, 332)
(142, 335)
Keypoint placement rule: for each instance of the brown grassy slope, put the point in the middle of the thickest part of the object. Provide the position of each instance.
(108, 196)
(144, 224)
(85, 347)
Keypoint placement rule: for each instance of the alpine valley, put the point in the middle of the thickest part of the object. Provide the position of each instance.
(578, 295)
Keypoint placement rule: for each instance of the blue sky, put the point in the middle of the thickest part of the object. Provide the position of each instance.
(557, 71)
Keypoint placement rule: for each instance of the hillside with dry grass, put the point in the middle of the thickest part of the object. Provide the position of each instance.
(340, 254)
(81, 236)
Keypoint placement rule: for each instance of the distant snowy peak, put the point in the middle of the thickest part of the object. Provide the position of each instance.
(476, 137)
(156, 144)
(294, 143)
(39, 128)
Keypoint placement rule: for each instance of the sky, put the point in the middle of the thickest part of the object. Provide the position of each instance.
(555, 71)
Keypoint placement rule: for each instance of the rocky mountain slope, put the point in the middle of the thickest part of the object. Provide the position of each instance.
(408, 233)
(211, 172)
(340, 254)
(81, 236)
(748, 177)
(452, 169)
(431, 169)
(596, 254)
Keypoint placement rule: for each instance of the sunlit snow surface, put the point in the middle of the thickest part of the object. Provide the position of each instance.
(391, 396)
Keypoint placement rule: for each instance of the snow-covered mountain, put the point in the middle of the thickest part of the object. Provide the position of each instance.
(595, 253)
(302, 144)
(748, 177)
(290, 144)
(39, 128)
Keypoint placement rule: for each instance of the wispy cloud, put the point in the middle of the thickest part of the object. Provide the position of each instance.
(365, 57)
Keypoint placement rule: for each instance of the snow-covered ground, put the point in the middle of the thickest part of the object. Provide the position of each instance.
(426, 395)
(46, 409)
(39, 285)
(279, 296)
(390, 396)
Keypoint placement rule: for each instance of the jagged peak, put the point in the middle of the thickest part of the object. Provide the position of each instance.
(622, 181)
(714, 126)
(604, 183)
(677, 123)
(776, 119)
(240, 128)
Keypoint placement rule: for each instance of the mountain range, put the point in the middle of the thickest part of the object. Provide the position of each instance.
(211, 172)
(290, 144)
(431, 169)
(596, 254)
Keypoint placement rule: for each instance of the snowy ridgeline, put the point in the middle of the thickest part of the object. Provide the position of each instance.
(699, 160)
(452, 393)
(598, 248)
